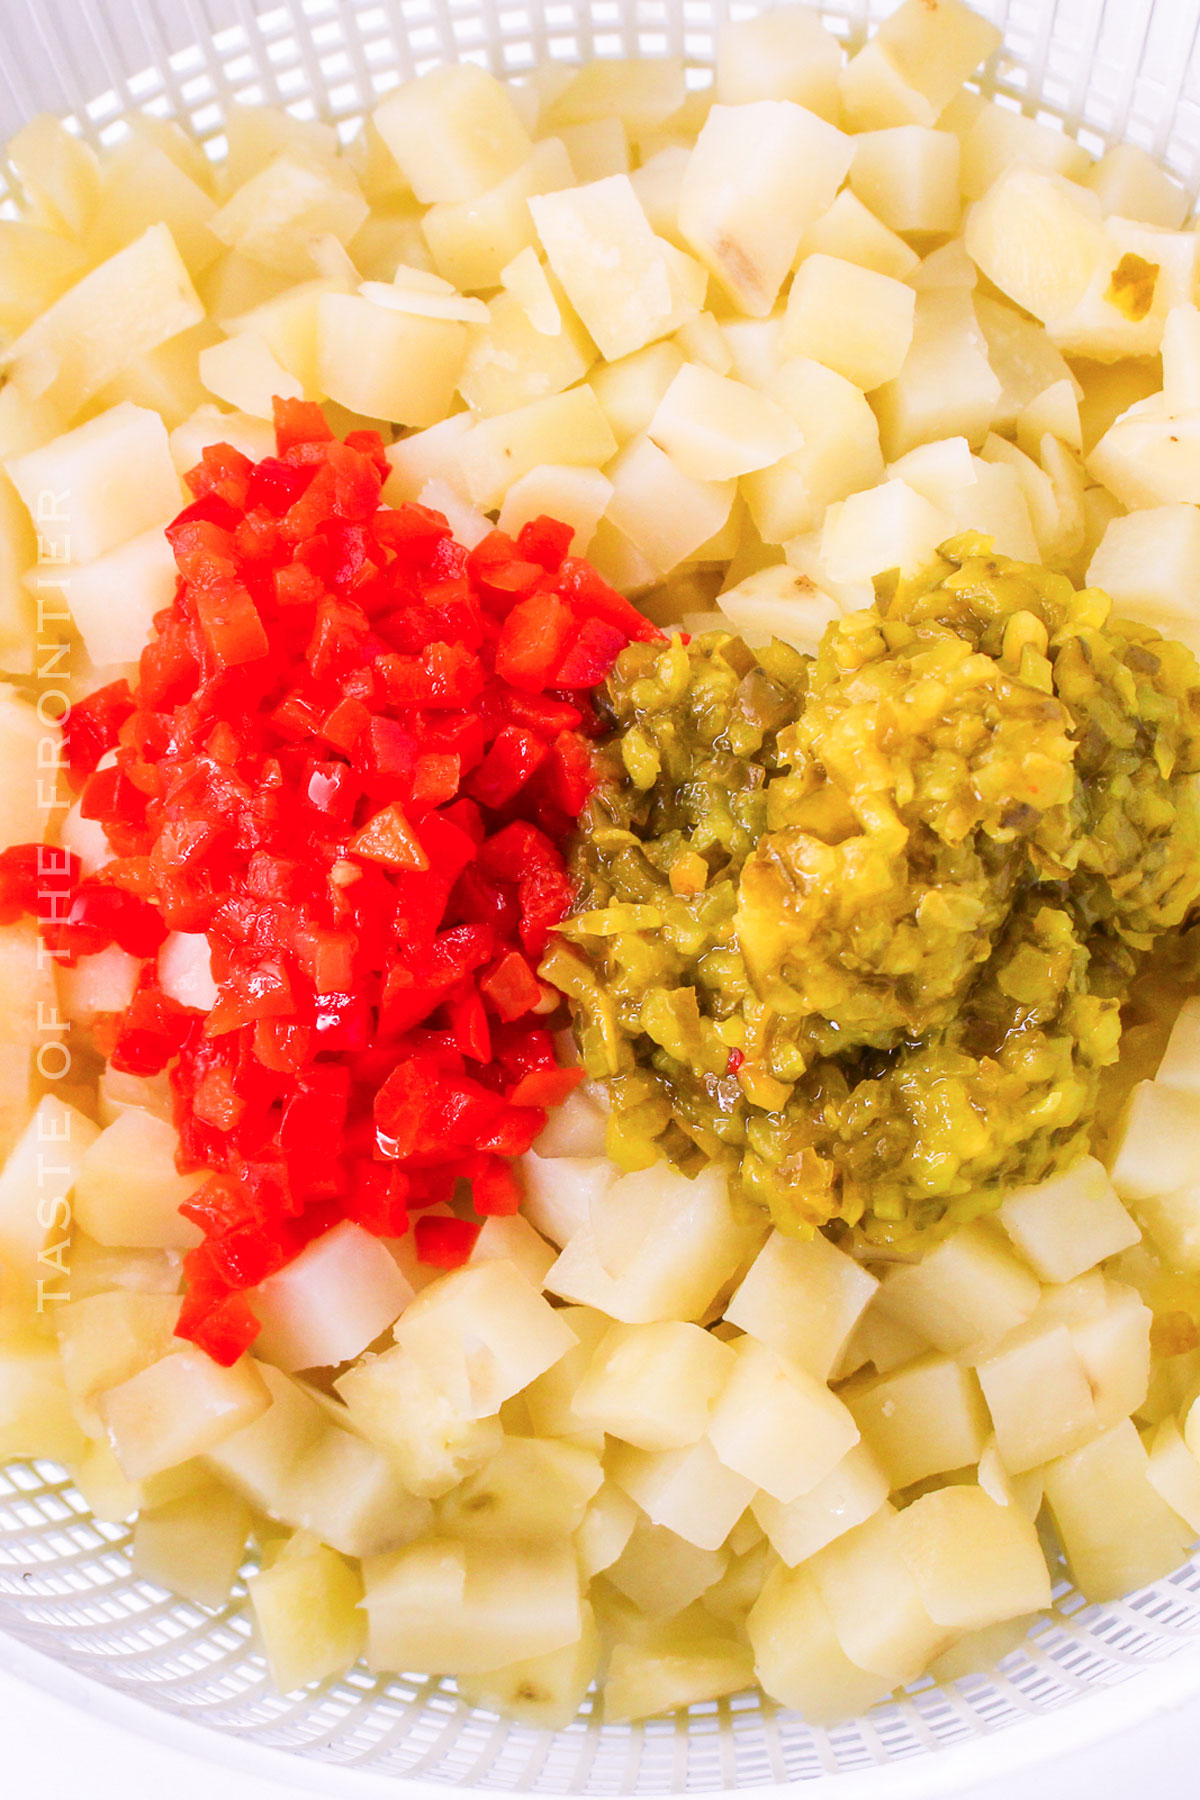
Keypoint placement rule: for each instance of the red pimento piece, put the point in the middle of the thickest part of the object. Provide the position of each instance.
(350, 759)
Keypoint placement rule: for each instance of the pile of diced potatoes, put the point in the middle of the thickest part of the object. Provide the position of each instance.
(761, 344)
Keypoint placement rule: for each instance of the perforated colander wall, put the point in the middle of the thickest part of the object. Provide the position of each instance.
(1108, 69)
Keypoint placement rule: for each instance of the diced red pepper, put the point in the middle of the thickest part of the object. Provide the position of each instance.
(445, 1243)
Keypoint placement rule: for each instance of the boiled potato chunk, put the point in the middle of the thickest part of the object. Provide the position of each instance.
(114, 600)
(798, 1657)
(551, 1398)
(852, 1492)
(454, 132)
(999, 139)
(1068, 1224)
(1132, 185)
(1149, 457)
(387, 364)
(630, 389)
(578, 498)
(778, 1425)
(641, 92)
(59, 174)
(487, 1327)
(306, 1607)
(668, 1668)
(177, 1408)
(933, 49)
(779, 602)
(839, 456)
(881, 528)
(975, 1563)
(653, 1385)
(1039, 1396)
(1039, 238)
(849, 318)
(128, 1190)
(1174, 1473)
(101, 484)
(784, 55)
(661, 1572)
(947, 387)
(36, 1415)
(565, 428)
(922, 1419)
(331, 1302)
(1116, 1530)
(105, 1338)
(510, 362)
(875, 1605)
(194, 1545)
(544, 1692)
(713, 428)
(464, 1608)
(1156, 1149)
(473, 241)
(605, 1530)
(35, 1188)
(1147, 564)
(274, 216)
(691, 1491)
(741, 208)
(531, 1491)
(969, 1289)
(908, 177)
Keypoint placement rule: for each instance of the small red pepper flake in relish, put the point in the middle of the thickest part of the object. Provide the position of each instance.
(350, 760)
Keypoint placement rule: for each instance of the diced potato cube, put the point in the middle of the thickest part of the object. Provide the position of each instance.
(997, 506)
(803, 1297)
(597, 148)
(194, 1545)
(1039, 238)
(968, 1290)
(852, 1491)
(908, 177)
(662, 1572)
(1174, 1473)
(36, 1415)
(36, 1184)
(113, 600)
(473, 241)
(850, 318)
(1114, 1348)
(177, 1408)
(880, 1340)
(605, 1530)
(923, 1419)
(463, 1608)
(1116, 1530)
(306, 1607)
(59, 174)
(653, 1385)
(933, 49)
(128, 305)
(874, 1603)
(1173, 1221)
(713, 428)
(999, 139)
(128, 1190)
(628, 286)
(840, 454)
(273, 217)
(454, 132)
(242, 371)
(106, 1338)
(330, 1302)
(975, 1563)
(742, 209)
(1181, 359)
(630, 389)
(947, 387)
(542, 1692)
(208, 425)
(668, 1669)
(778, 1425)
(1131, 184)
(797, 1655)
(551, 1398)
(1157, 1149)
(851, 231)
(1144, 274)
(1180, 1066)
(784, 55)
(387, 364)
(143, 186)
(690, 1491)
(1039, 1396)
(106, 481)
(531, 1491)
(514, 1240)
(421, 1417)
(666, 514)
(779, 602)
(576, 497)
(565, 428)
(1149, 457)
(1069, 1223)
(881, 528)
(642, 92)
(492, 1322)
(1022, 356)
(509, 362)
(1147, 563)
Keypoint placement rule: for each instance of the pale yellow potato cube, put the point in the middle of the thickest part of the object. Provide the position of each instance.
(875, 96)
(1149, 457)
(742, 209)
(778, 1425)
(605, 1530)
(307, 1610)
(630, 389)
(797, 1656)
(473, 241)
(661, 1573)
(908, 176)
(1023, 1491)
(58, 173)
(243, 371)
(998, 505)
(875, 1606)
(575, 497)
(208, 425)
(510, 362)
(886, 527)
(975, 1563)
(38, 1177)
(128, 1191)
(1107, 390)
(542, 1692)
(1173, 1221)
(463, 1608)
(1145, 273)
(851, 231)
(947, 387)
(1069, 1223)
(852, 1492)
(514, 1240)
(1181, 358)
(105, 1338)
(36, 266)
(260, 1459)
(104, 983)
(628, 286)
(1039, 238)
(1174, 1473)
(755, 346)
(101, 484)
(455, 132)
(434, 454)
(494, 1323)
(36, 1415)
(968, 1290)
(666, 514)
(714, 428)
(1023, 358)
(525, 278)
(1054, 411)
(880, 1340)
(597, 148)
(331, 1302)
(258, 134)
(178, 1408)
(940, 471)
(999, 139)
(658, 183)
(1114, 1348)
(803, 1297)
(531, 1491)
(105, 1491)
(274, 216)
(778, 602)
(420, 1417)
(387, 364)
(1156, 1150)
(1180, 1066)
(784, 55)
(653, 1385)
(1147, 563)
(290, 325)
(668, 1669)
(1116, 1530)
(923, 1419)
(167, 379)
(850, 318)
(567, 428)
(641, 92)
(194, 1545)
(1134, 186)
(978, 1652)
(1039, 1396)
(690, 1491)
(142, 186)
(947, 266)
(840, 454)
(934, 48)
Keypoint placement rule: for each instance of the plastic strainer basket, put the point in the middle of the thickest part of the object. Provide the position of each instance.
(1108, 70)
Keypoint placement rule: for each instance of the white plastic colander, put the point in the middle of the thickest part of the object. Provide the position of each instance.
(1108, 70)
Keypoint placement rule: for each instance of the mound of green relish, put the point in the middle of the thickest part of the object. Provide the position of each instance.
(860, 927)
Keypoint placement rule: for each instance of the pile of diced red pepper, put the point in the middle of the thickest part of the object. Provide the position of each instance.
(350, 759)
